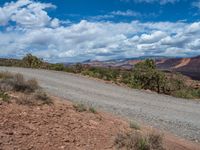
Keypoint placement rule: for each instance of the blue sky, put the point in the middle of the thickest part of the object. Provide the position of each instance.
(155, 10)
(77, 30)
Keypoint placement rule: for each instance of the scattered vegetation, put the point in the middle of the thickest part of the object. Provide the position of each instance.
(144, 75)
(187, 93)
(5, 75)
(17, 83)
(30, 92)
(42, 97)
(92, 110)
(80, 107)
(137, 141)
(4, 96)
(134, 125)
(34, 99)
(31, 61)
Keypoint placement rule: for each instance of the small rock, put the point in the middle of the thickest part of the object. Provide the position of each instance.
(9, 133)
(62, 147)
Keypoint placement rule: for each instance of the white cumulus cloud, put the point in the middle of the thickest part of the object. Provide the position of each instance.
(34, 31)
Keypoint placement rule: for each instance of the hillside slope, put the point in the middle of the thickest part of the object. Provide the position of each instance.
(186, 66)
(178, 116)
(56, 127)
(60, 126)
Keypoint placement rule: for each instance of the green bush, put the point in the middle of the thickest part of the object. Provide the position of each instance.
(142, 144)
(57, 67)
(78, 68)
(4, 96)
(92, 110)
(102, 73)
(137, 141)
(146, 76)
(134, 125)
(188, 93)
(173, 83)
(126, 77)
(31, 61)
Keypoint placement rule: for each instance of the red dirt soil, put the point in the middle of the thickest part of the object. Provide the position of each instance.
(60, 126)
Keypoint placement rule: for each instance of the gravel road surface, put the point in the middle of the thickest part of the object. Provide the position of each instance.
(178, 116)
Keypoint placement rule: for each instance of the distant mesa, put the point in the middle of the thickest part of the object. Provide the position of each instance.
(186, 66)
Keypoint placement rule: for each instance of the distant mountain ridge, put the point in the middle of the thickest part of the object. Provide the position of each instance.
(125, 63)
(187, 66)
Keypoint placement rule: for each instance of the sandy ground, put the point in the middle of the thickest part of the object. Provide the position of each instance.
(60, 126)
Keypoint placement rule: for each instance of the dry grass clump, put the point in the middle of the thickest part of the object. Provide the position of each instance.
(80, 107)
(136, 141)
(4, 97)
(5, 75)
(9, 82)
(19, 84)
(31, 93)
(92, 110)
(42, 97)
(35, 99)
(134, 125)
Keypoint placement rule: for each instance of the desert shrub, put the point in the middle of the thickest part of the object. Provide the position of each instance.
(32, 84)
(146, 76)
(134, 125)
(156, 141)
(137, 141)
(92, 110)
(5, 86)
(4, 96)
(102, 73)
(9, 62)
(26, 100)
(188, 93)
(41, 96)
(5, 75)
(131, 141)
(80, 107)
(18, 83)
(142, 144)
(31, 61)
(21, 85)
(57, 67)
(78, 68)
(69, 69)
(126, 77)
(173, 83)
(28, 61)
(32, 93)
(34, 99)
